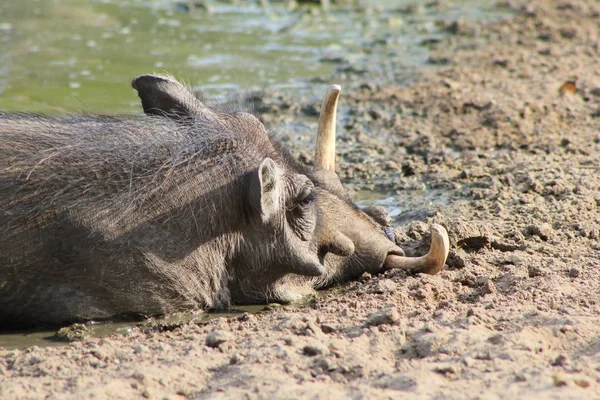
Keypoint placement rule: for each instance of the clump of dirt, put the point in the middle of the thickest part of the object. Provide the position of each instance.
(510, 160)
(72, 333)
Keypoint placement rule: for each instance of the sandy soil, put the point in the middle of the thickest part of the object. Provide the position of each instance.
(512, 169)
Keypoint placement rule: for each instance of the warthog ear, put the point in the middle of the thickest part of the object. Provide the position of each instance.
(164, 96)
(266, 189)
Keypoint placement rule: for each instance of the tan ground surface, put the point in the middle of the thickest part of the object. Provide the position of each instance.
(514, 169)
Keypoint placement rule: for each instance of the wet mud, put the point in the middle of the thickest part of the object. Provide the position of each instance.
(507, 161)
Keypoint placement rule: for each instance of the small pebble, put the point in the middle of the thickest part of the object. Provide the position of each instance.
(312, 350)
(384, 286)
(582, 383)
(235, 359)
(497, 339)
(387, 315)
(217, 337)
(535, 271)
(561, 361)
(488, 287)
(574, 273)
(560, 380)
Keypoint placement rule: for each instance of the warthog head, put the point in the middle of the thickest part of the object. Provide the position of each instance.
(367, 229)
(349, 240)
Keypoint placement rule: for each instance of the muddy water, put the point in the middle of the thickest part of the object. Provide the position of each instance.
(79, 56)
(49, 337)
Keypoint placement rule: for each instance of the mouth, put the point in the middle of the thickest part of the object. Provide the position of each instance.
(397, 252)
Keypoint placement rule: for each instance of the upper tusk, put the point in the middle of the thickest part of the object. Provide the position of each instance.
(325, 150)
(432, 262)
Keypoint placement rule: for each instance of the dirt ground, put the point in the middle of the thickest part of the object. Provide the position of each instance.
(504, 160)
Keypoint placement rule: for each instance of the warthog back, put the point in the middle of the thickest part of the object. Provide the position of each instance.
(102, 216)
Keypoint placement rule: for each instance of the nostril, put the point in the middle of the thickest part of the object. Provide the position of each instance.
(331, 249)
(340, 245)
(343, 251)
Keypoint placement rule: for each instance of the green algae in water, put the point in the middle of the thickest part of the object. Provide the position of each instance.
(59, 56)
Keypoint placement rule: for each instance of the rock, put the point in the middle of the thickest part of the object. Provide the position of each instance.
(217, 337)
(313, 350)
(365, 277)
(439, 60)
(544, 231)
(245, 317)
(399, 382)
(310, 110)
(534, 271)
(139, 376)
(235, 359)
(429, 344)
(468, 361)
(561, 361)
(568, 32)
(501, 62)
(33, 359)
(560, 380)
(446, 370)
(521, 378)
(384, 286)
(288, 340)
(488, 287)
(574, 273)
(73, 333)
(457, 258)
(469, 236)
(582, 383)
(387, 315)
(353, 332)
(497, 339)
(138, 349)
(99, 353)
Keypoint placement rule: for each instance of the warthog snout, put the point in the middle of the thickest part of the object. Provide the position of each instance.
(373, 248)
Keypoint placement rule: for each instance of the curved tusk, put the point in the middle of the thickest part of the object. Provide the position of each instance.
(432, 262)
(325, 149)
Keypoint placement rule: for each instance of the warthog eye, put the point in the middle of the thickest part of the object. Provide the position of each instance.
(301, 213)
(308, 199)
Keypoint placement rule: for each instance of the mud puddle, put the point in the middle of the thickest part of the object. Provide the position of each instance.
(97, 329)
(93, 329)
(59, 56)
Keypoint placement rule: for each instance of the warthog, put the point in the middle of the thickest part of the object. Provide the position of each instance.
(193, 208)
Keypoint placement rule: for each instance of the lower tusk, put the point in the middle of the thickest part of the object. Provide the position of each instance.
(432, 262)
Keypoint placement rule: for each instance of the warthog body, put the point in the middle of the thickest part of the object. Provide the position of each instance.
(193, 208)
